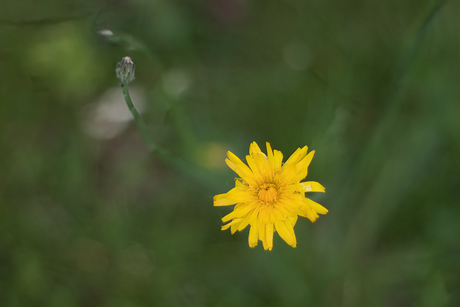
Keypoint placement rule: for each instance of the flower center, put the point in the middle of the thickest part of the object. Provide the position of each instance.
(268, 193)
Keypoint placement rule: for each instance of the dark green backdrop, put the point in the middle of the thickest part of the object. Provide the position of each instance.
(89, 218)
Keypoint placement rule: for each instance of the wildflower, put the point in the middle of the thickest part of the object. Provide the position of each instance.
(269, 195)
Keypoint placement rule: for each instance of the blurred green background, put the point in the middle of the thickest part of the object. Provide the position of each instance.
(89, 218)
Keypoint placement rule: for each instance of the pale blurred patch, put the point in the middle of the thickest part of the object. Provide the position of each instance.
(176, 81)
(62, 57)
(211, 155)
(105, 33)
(109, 115)
(297, 55)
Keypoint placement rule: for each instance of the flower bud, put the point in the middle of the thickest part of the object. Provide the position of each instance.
(125, 70)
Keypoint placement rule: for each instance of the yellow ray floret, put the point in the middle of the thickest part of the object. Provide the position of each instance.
(268, 195)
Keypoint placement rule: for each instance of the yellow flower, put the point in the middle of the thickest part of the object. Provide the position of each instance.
(269, 195)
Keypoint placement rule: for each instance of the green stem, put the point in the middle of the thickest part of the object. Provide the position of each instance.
(153, 147)
(181, 165)
(179, 117)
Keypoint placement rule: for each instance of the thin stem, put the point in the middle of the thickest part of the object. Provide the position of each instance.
(375, 213)
(153, 147)
(181, 165)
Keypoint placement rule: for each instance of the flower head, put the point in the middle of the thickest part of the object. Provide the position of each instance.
(269, 195)
(125, 70)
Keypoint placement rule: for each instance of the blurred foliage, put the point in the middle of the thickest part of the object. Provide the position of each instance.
(372, 86)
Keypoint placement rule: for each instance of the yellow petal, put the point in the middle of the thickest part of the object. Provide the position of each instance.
(240, 211)
(234, 228)
(294, 157)
(253, 238)
(284, 212)
(311, 186)
(271, 160)
(262, 231)
(302, 166)
(230, 217)
(278, 158)
(310, 213)
(295, 207)
(271, 215)
(269, 235)
(255, 169)
(254, 148)
(288, 190)
(222, 200)
(316, 207)
(227, 226)
(263, 166)
(298, 155)
(244, 208)
(286, 232)
(250, 218)
(288, 172)
(240, 168)
(233, 196)
(292, 220)
(279, 215)
(265, 244)
(269, 150)
(239, 184)
(264, 216)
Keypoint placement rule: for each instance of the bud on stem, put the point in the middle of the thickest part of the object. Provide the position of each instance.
(125, 70)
